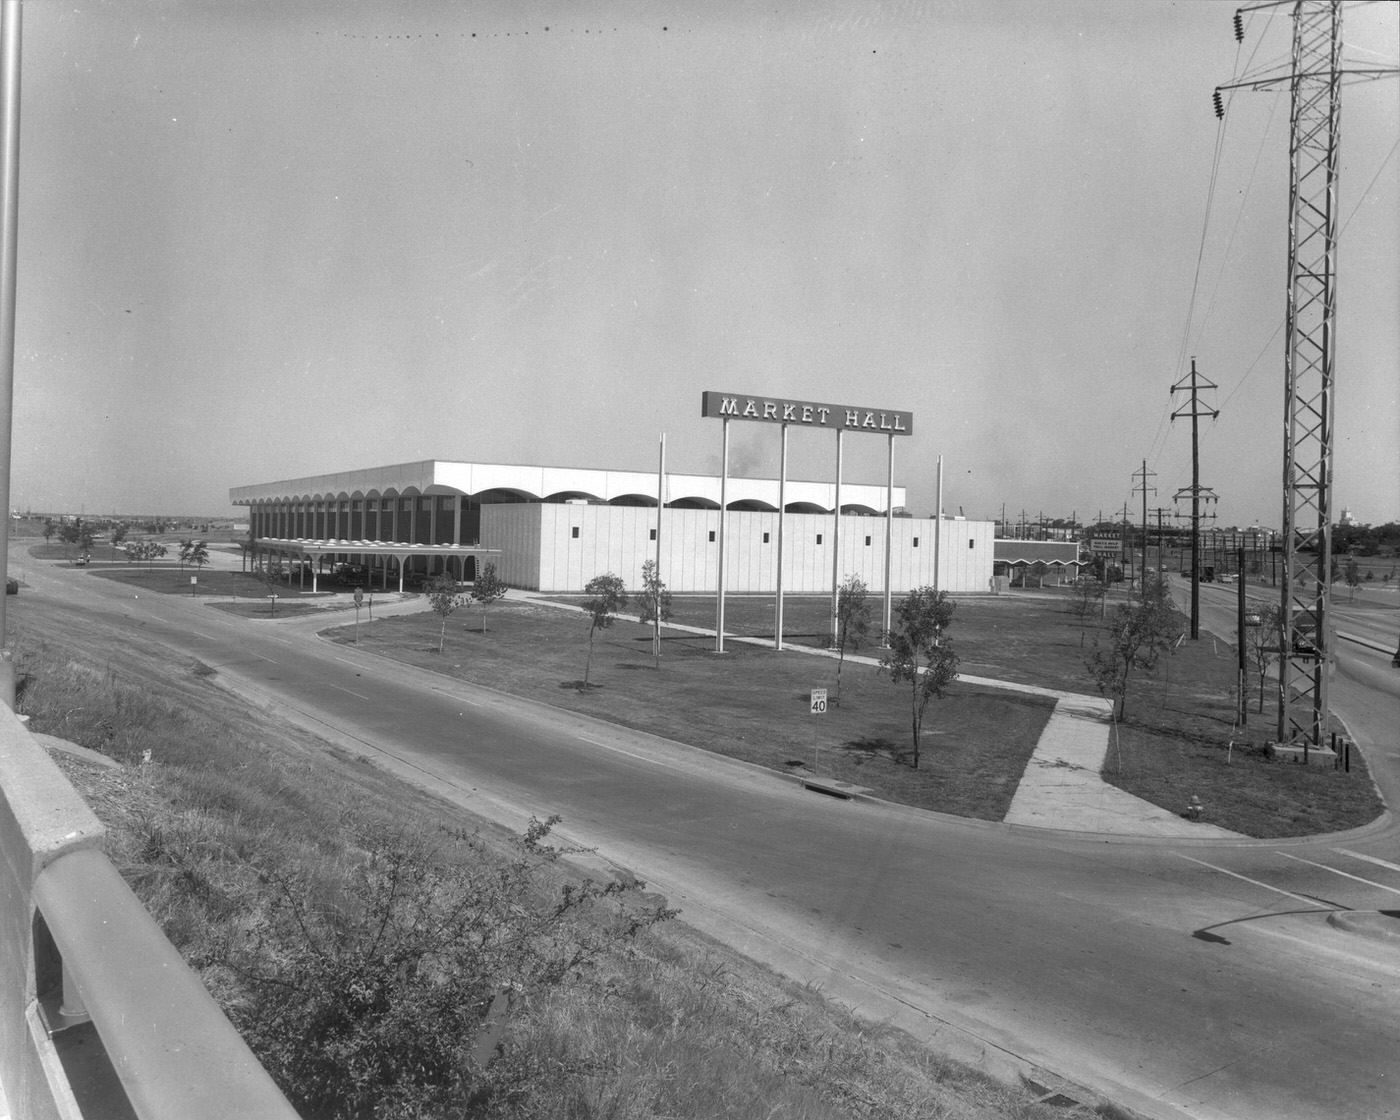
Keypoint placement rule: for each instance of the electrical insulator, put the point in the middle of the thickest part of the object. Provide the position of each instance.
(1239, 27)
(1219, 105)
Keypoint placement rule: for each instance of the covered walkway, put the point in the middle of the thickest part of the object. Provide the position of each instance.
(382, 556)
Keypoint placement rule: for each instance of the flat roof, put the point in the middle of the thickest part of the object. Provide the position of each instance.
(503, 481)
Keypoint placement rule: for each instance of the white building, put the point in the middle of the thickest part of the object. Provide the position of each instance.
(555, 528)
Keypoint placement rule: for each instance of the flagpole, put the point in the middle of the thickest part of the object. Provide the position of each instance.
(660, 504)
(10, 25)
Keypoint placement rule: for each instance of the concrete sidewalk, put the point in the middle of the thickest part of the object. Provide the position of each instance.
(1061, 788)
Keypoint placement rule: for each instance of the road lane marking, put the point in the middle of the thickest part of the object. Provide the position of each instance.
(619, 750)
(1247, 879)
(460, 699)
(1368, 859)
(1343, 874)
(361, 695)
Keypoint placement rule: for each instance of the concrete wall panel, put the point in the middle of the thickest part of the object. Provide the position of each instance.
(560, 547)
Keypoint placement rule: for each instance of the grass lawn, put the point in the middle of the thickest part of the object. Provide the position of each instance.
(749, 703)
(752, 703)
(246, 594)
(1179, 738)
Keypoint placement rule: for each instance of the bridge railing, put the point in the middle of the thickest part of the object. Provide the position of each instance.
(99, 1015)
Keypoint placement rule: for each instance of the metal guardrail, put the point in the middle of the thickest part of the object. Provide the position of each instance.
(80, 955)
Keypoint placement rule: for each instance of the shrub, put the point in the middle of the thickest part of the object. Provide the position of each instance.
(387, 994)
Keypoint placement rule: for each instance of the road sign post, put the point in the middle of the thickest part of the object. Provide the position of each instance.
(817, 707)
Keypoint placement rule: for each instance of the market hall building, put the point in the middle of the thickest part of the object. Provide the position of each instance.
(552, 529)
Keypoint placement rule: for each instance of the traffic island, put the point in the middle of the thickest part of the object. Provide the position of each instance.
(1379, 925)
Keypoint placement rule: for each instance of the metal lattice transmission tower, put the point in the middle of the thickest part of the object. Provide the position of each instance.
(1314, 81)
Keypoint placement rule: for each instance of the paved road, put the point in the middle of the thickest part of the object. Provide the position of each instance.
(1180, 979)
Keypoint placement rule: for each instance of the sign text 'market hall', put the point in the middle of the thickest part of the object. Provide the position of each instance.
(736, 406)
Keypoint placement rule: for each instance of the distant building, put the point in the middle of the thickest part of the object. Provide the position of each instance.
(1037, 560)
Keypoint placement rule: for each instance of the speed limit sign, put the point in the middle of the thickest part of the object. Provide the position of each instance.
(818, 701)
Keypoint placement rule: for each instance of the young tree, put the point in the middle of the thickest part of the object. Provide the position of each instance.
(271, 574)
(444, 598)
(198, 554)
(146, 550)
(852, 623)
(1087, 598)
(186, 547)
(1138, 634)
(49, 529)
(918, 655)
(486, 589)
(119, 531)
(1264, 641)
(606, 596)
(653, 604)
(1351, 572)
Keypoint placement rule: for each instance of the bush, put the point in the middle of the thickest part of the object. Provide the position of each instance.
(388, 993)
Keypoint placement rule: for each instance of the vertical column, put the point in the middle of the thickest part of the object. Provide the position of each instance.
(836, 544)
(889, 534)
(660, 505)
(938, 529)
(782, 523)
(723, 518)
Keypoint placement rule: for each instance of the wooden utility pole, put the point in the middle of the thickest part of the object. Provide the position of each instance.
(1143, 475)
(1195, 409)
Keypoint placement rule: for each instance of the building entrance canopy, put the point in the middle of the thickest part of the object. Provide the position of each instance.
(367, 551)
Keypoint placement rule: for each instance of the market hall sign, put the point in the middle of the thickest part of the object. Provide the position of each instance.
(733, 406)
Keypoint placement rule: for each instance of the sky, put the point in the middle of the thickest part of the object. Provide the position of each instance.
(265, 239)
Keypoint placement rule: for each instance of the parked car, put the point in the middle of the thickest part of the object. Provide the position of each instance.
(352, 575)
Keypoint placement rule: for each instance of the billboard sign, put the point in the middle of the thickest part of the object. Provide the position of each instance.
(807, 414)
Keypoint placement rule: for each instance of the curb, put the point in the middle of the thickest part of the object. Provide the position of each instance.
(1374, 925)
